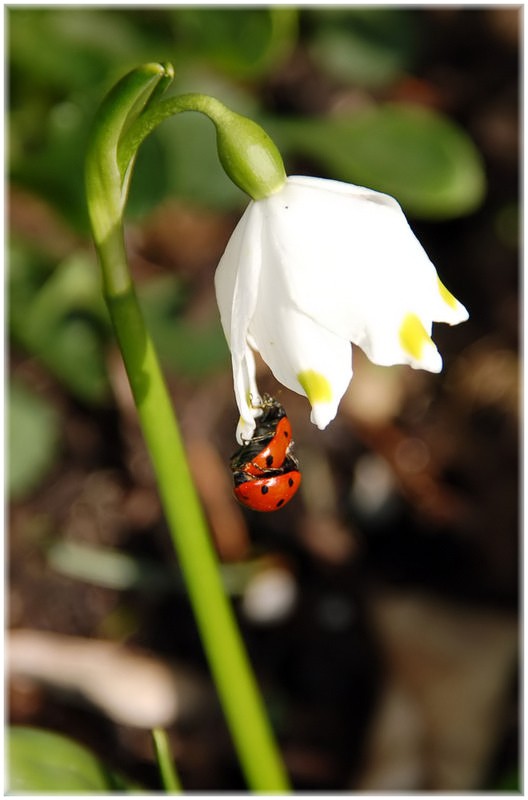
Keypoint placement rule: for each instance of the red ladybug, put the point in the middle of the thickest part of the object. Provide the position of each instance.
(270, 492)
(265, 472)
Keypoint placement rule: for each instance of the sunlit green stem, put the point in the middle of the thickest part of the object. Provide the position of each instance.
(107, 179)
(163, 110)
(220, 636)
(245, 150)
(169, 777)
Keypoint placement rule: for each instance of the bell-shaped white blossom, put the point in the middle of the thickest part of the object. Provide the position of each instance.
(311, 269)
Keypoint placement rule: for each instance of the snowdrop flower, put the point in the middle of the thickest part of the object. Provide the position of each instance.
(314, 267)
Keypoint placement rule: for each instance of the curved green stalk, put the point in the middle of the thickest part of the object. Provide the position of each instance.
(108, 170)
(151, 118)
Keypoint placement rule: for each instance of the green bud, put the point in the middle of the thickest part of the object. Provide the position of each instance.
(248, 155)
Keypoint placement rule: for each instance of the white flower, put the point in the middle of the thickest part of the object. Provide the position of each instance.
(309, 270)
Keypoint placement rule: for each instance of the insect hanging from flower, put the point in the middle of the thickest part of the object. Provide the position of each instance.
(266, 473)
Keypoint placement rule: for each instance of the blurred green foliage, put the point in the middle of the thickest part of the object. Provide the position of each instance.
(33, 439)
(62, 61)
(163, 302)
(367, 46)
(55, 90)
(229, 52)
(39, 762)
(57, 314)
(240, 42)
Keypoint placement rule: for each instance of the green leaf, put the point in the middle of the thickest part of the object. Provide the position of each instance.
(244, 42)
(369, 47)
(191, 169)
(193, 350)
(58, 315)
(43, 762)
(45, 160)
(56, 88)
(82, 45)
(33, 439)
(419, 156)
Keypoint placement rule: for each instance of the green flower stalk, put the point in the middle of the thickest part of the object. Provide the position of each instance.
(169, 776)
(129, 113)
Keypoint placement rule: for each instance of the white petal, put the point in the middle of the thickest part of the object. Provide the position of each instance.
(339, 187)
(298, 350)
(247, 395)
(237, 277)
(314, 267)
(343, 253)
(352, 263)
(236, 285)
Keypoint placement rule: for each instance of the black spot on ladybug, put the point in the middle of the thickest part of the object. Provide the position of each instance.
(286, 434)
(264, 489)
(290, 481)
(269, 461)
(279, 504)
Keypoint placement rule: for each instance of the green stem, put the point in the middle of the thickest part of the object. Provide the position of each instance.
(237, 688)
(152, 117)
(221, 639)
(246, 152)
(169, 777)
(125, 119)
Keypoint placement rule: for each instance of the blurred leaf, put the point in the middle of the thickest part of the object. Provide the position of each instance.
(44, 762)
(190, 350)
(82, 45)
(187, 348)
(151, 180)
(60, 318)
(244, 42)
(47, 155)
(103, 566)
(188, 166)
(370, 47)
(55, 90)
(420, 157)
(33, 439)
(113, 569)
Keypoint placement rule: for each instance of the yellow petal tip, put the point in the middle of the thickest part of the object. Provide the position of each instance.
(448, 298)
(418, 345)
(318, 388)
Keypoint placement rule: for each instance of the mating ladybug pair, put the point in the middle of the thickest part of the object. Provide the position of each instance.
(265, 471)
